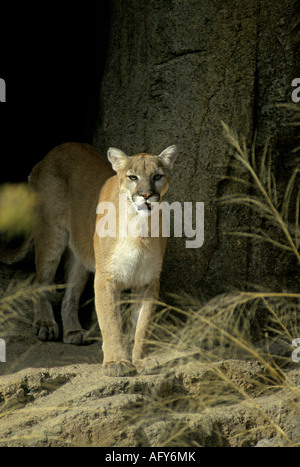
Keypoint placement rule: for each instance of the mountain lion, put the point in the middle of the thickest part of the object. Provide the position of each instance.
(67, 183)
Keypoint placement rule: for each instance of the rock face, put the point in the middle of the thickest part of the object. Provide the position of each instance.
(174, 70)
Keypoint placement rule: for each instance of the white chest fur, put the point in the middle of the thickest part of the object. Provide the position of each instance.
(135, 264)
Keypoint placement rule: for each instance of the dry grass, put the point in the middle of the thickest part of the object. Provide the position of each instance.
(16, 303)
(265, 200)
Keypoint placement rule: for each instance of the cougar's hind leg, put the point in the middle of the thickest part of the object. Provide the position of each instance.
(50, 241)
(77, 276)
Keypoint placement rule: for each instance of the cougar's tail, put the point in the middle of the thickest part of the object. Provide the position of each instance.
(14, 255)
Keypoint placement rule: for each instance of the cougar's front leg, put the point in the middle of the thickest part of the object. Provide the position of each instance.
(116, 360)
(144, 322)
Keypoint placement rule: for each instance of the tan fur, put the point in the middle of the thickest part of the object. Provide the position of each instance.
(123, 263)
(68, 181)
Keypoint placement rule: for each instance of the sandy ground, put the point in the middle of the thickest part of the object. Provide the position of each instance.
(55, 394)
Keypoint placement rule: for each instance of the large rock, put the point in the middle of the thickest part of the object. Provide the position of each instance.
(191, 404)
(55, 394)
(174, 70)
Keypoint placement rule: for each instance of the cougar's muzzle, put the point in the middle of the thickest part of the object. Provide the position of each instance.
(143, 201)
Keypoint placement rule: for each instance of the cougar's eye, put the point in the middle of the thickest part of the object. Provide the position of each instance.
(132, 177)
(157, 177)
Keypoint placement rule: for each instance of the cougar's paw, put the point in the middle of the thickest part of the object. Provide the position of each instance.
(75, 337)
(122, 368)
(146, 366)
(46, 331)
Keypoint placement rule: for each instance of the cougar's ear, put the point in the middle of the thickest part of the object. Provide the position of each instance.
(117, 158)
(168, 156)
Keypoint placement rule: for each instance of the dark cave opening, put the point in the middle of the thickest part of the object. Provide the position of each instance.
(52, 64)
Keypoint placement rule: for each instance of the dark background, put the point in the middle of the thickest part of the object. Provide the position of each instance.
(52, 57)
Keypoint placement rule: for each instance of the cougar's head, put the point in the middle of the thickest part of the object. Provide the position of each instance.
(144, 178)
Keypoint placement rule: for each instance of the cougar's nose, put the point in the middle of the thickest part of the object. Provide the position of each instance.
(146, 195)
